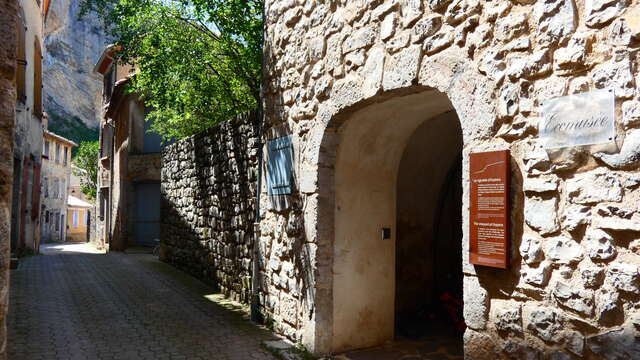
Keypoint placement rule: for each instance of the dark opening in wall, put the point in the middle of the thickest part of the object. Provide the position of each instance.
(429, 241)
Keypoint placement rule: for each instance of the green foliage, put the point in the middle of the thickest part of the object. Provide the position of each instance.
(198, 62)
(87, 161)
(71, 128)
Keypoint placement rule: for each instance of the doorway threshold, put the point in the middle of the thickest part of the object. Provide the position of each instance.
(432, 347)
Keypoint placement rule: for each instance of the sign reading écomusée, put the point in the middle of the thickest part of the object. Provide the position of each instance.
(489, 208)
(581, 119)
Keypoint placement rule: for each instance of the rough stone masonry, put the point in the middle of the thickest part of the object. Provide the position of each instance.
(208, 205)
(8, 18)
(573, 289)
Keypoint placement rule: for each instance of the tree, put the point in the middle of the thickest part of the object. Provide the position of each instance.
(198, 62)
(86, 161)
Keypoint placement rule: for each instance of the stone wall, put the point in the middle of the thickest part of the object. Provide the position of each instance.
(573, 286)
(208, 205)
(8, 15)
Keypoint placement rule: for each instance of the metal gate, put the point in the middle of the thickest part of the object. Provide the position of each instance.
(146, 226)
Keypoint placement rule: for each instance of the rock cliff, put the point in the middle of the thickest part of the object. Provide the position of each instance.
(72, 92)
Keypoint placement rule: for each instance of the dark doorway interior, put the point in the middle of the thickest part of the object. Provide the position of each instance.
(429, 236)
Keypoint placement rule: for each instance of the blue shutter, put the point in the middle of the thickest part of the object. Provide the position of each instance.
(280, 166)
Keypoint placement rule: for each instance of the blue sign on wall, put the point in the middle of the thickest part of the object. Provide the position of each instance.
(280, 166)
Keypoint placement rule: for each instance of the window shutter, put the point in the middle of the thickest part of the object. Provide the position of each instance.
(35, 191)
(280, 166)
(21, 60)
(37, 80)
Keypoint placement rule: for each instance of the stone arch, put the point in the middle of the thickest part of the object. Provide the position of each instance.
(440, 83)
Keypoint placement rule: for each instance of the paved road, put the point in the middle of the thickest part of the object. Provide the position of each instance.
(72, 304)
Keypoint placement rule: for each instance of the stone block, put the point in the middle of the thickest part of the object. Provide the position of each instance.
(608, 309)
(574, 342)
(541, 214)
(592, 277)
(624, 277)
(426, 27)
(438, 42)
(460, 10)
(540, 184)
(601, 12)
(509, 320)
(401, 69)
(616, 74)
(478, 346)
(531, 250)
(594, 187)
(512, 26)
(629, 155)
(599, 245)
(359, 39)
(631, 113)
(545, 323)
(620, 343)
(373, 71)
(563, 251)
(476, 303)
(438, 5)
(575, 216)
(556, 20)
(388, 26)
(537, 275)
(411, 11)
(580, 301)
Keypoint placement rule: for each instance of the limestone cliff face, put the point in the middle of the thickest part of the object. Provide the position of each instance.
(72, 92)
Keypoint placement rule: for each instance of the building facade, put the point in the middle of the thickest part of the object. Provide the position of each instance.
(79, 214)
(75, 183)
(384, 102)
(27, 147)
(8, 18)
(128, 197)
(56, 176)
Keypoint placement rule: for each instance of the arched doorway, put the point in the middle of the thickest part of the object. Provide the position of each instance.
(371, 144)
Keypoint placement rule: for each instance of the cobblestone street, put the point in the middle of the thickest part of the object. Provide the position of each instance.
(73, 304)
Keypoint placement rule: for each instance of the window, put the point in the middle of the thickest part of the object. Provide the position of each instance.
(56, 188)
(45, 185)
(108, 81)
(107, 137)
(75, 218)
(66, 153)
(104, 203)
(37, 80)
(57, 153)
(63, 188)
(57, 218)
(21, 62)
(87, 213)
(46, 148)
(46, 217)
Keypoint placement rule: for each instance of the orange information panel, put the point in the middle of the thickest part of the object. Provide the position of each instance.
(489, 208)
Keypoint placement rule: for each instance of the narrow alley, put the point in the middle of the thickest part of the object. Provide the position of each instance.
(74, 303)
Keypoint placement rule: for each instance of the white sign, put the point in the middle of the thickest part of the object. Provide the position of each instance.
(582, 119)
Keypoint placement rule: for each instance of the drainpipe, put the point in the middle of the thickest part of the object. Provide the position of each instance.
(255, 284)
(110, 213)
(255, 269)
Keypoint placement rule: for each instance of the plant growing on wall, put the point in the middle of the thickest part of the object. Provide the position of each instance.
(198, 62)
(86, 161)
